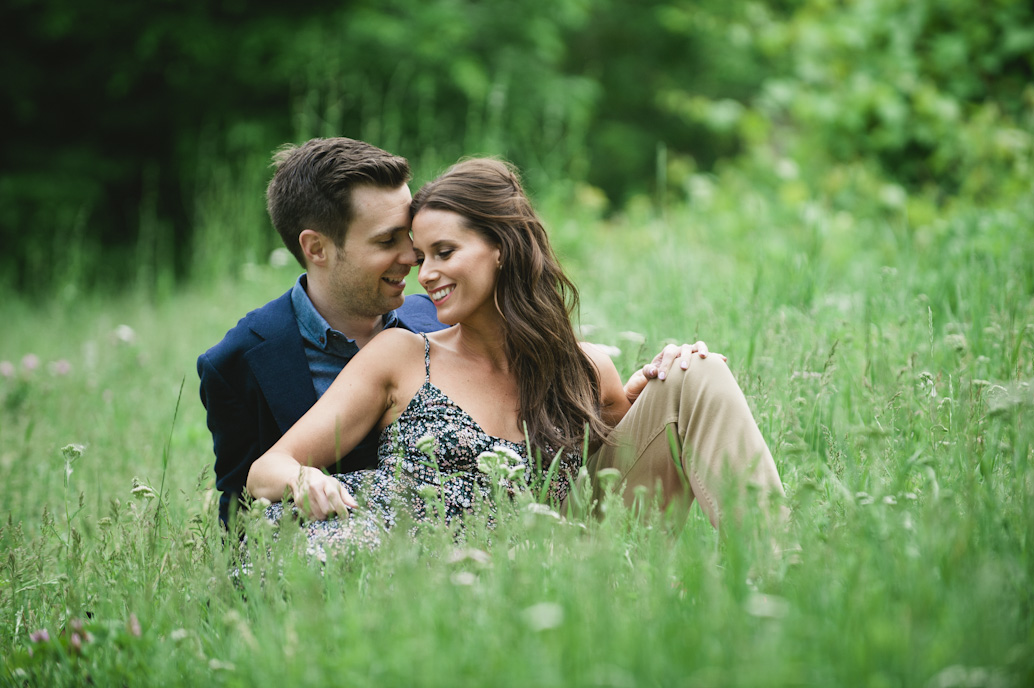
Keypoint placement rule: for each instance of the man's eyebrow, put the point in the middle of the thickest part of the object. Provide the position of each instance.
(388, 232)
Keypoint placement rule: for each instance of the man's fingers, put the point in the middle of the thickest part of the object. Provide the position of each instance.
(668, 355)
(688, 350)
(662, 362)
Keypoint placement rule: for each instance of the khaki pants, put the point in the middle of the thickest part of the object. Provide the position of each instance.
(696, 422)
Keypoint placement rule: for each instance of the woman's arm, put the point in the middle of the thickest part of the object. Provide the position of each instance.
(362, 396)
(614, 401)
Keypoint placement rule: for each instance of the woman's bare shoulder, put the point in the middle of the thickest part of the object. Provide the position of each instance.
(390, 347)
(612, 390)
(599, 356)
(397, 337)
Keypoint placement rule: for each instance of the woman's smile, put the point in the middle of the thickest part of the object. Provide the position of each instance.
(450, 255)
(439, 295)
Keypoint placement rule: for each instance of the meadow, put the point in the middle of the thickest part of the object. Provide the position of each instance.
(888, 355)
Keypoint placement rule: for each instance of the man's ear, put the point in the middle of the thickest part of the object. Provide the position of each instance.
(314, 246)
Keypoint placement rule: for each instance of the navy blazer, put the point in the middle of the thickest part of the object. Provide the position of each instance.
(255, 384)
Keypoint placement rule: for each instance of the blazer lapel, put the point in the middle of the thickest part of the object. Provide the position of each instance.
(279, 364)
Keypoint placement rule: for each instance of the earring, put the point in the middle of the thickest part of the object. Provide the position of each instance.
(495, 298)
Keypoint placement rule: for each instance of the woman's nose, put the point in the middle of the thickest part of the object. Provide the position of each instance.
(425, 274)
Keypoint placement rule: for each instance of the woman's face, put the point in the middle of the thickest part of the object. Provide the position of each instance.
(457, 267)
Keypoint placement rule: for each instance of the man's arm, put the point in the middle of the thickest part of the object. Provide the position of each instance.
(235, 431)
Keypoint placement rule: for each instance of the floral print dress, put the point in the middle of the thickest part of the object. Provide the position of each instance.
(428, 462)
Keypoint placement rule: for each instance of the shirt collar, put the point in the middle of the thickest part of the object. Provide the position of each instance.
(314, 327)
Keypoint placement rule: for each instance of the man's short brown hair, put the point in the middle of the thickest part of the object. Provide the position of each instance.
(313, 182)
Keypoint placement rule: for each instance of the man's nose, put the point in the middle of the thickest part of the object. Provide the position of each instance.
(408, 255)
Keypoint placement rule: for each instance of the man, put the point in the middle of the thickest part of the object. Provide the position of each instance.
(342, 208)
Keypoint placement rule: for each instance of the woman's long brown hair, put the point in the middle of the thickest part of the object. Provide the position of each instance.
(558, 385)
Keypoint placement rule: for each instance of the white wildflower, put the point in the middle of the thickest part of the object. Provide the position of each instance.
(73, 451)
(511, 457)
(766, 606)
(260, 505)
(469, 554)
(426, 445)
(463, 578)
(125, 334)
(280, 258)
(543, 616)
(633, 337)
(542, 510)
(143, 490)
(585, 331)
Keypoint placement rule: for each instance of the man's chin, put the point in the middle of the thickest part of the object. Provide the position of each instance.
(393, 302)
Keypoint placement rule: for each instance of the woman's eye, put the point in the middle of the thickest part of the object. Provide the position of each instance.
(445, 253)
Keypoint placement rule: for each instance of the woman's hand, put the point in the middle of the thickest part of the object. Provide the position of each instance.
(661, 365)
(319, 495)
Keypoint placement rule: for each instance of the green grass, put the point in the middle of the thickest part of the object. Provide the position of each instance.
(889, 367)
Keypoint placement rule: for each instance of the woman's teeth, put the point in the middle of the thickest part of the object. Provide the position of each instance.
(441, 293)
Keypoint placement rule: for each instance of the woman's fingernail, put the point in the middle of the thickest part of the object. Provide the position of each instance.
(660, 375)
(685, 365)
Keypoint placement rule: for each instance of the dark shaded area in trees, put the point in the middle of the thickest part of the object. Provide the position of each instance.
(113, 116)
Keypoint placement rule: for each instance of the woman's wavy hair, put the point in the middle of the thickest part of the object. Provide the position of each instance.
(558, 385)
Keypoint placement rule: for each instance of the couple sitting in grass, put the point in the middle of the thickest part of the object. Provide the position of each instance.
(336, 393)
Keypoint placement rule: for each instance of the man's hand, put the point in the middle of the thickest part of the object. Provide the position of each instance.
(321, 496)
(661, 365)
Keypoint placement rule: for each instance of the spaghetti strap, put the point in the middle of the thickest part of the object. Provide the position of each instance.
(427, 357)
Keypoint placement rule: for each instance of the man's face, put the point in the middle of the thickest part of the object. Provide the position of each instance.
(368, 273)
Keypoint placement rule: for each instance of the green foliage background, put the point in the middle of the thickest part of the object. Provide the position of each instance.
(136, 137)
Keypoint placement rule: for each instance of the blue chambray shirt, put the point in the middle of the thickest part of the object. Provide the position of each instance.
(327, 350)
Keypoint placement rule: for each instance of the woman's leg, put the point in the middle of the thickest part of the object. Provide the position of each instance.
(700, 419)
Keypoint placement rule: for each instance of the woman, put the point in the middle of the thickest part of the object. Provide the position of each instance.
(510, 372)
(511, 364)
